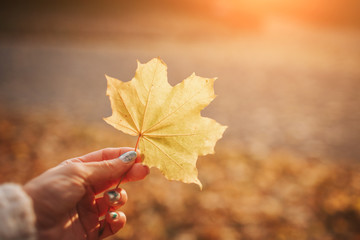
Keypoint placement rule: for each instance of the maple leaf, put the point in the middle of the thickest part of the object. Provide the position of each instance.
(171, 132)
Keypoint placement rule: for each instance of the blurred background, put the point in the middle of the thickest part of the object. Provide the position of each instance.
(288, 82)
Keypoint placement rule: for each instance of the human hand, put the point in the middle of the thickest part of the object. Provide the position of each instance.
(64, 197)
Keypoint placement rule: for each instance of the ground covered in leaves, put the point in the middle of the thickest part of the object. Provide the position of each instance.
(277, 196)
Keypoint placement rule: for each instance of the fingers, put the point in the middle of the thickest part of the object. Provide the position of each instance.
(102, 169)
(107, 205)
(113, 221)
(113, 200)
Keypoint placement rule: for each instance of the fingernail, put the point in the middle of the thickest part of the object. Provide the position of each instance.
(113, 215)
(128, 156)
(113, 195)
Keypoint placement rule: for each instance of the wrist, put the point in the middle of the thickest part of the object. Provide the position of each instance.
(17, 208)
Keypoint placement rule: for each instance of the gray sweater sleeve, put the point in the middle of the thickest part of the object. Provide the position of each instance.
(17, 215)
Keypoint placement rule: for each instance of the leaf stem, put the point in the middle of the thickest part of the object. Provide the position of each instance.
(137, 142)
(117, 186)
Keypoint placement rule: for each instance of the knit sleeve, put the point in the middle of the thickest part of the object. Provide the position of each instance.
(17, 215)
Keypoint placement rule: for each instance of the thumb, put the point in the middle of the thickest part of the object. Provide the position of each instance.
(103, 174)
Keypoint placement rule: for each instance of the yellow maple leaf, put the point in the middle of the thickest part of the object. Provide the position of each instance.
(171, 132)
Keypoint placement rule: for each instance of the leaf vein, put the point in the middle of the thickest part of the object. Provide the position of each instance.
(167, 155)
(148, 96)
(126, 127)
(173, 112)
(122, 100)
(171, 135)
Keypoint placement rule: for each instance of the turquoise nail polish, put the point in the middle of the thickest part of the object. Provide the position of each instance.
(113, 195)
(113, 215)
(113, 198)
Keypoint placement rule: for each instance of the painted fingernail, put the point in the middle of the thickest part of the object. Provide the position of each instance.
(113, 215)
(113, 198)
(113, 195)
(128, 156)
